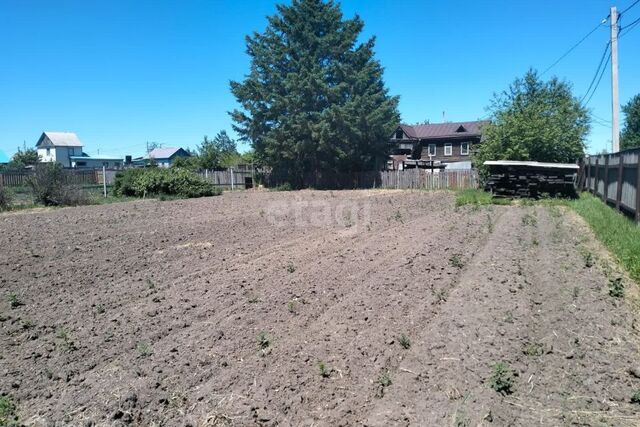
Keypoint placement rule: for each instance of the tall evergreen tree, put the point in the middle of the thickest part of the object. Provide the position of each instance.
(630, 136)
(314, 100)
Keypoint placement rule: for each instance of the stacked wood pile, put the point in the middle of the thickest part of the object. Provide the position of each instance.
(531, 179)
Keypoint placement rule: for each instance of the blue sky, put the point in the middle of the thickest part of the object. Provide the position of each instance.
(120, 73)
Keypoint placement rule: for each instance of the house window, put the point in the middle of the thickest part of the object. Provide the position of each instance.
(399, 134)
(48, 151)
(432, 149)
(464, 149)
(448, 149)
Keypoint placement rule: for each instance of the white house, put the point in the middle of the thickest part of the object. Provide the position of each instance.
(65, 148)
(58, 147)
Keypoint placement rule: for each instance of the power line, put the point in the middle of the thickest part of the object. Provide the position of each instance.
(629, 7)
(595, 76)
(576, 45)
(599, 79)
(627, 28)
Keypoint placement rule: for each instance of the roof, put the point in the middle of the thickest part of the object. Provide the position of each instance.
(531, 164)
(444, 130)
(3, 157)
(62, 139)
(162, 153)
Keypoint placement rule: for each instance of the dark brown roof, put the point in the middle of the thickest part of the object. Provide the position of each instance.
(444, 130)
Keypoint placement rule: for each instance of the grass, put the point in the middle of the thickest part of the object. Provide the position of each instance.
(144, 349)
(14, 301)
(68, 344)
(264, 341)
(456, 261)
(8, 416)
(291, 268)
(473, 196)
(635, 397)
(617, 232)
(503, 378)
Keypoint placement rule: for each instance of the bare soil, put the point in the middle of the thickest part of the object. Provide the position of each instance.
(288, 309)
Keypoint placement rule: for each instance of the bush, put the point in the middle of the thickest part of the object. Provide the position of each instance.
(6, 197)
(50, 188)
(160, 181)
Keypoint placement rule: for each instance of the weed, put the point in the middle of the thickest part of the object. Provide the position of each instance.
(144, 349)
(14, 301)
(489, 223)
(456, 261)
(100, 309)
(347, 220)
(261, 213)
(264, 341)
(404, 341)
(508, 317)
(529, 219)
(616, 288)
(150, 284)
(635, 397)
(254, 299)
(503, 378)
(533, 349)
(28, 324)
(588, 259)
(68, 344)
(291, 306)
(325, 372)
(441, 295)
(291, 268)
(398, 216)
(384, 379)
(535, 242)
(576, 292)
(8, 416)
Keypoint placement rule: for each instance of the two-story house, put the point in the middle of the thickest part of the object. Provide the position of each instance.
(437, 145)
(58, 147)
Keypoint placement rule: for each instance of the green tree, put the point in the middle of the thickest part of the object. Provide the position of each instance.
(314, 100)
(630, 136)
(26, 157)
(209, 155)
(534, 120)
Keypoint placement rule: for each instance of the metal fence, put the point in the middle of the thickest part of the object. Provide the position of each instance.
(616, 179)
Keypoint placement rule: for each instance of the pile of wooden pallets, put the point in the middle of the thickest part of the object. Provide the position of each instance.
(531, 179)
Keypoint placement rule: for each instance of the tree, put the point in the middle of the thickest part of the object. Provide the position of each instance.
(535, 120)
(26, 157)
(630, 136)
(208, 154)
(314, 100)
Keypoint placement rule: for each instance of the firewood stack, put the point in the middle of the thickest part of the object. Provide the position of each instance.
(531, 179)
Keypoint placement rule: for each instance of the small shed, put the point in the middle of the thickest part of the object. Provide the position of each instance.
(531, 179)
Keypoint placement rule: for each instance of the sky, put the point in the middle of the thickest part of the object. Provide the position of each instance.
(122, 73)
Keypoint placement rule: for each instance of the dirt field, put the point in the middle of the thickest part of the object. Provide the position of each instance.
(288, 309)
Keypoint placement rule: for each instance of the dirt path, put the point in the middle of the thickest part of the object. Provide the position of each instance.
(150, 313)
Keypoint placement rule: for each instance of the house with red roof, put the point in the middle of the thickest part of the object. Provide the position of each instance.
(435, 145)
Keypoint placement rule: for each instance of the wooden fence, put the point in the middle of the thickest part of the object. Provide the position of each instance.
(616, 179)
(425, 179)
(82, 177)
(231, 178)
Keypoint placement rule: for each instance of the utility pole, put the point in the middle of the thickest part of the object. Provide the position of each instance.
(615, 132)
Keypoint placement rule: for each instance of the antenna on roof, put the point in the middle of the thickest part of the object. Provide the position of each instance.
(444, 120)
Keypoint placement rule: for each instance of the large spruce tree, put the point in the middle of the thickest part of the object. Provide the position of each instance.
(314, 101)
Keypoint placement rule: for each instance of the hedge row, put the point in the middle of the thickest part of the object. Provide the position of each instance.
(162, 181)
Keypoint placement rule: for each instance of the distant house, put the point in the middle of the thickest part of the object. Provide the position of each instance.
(65, 148)
(162, 157)
(437, 145)
(58, 147)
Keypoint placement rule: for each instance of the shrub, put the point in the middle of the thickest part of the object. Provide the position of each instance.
(6, 197)
(8, 416)
(404, 341)
(163, 181)
(50, 188)
(503, 378)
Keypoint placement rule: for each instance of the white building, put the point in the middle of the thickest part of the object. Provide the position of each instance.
(65, 148)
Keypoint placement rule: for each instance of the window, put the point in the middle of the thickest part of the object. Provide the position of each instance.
(399, 134)
(448, 149)
(48, 151)
(432, 149)
(464, 149)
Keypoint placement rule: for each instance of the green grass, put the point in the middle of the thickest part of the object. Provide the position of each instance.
(617, 232)
(8, 416)
(473, 197)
